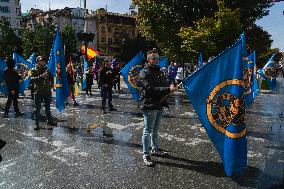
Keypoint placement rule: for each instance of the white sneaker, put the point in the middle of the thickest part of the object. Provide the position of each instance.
(147, 160)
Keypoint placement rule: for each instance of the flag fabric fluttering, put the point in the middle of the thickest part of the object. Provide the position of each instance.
(23, 67)
(216, 92)
(3, 86)
(32, 59)
(91, 53)
(269, 72)
(200, 61)
(84, 84)
(164, 64)
(57, 67)
(130, 74)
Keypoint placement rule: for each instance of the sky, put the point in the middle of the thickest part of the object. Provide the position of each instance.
(273, 23)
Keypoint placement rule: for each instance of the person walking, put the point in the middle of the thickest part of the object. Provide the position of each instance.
(154, 93)
(106, 82)
(179, 76)
(89, 80)
(70, 74)
(12, 79)
(43, 84)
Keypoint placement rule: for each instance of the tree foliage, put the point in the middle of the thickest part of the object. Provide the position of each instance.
(9, 41)
(69, 40)
(161, 20)
(38, 41)
(132, 46)
(212, 34)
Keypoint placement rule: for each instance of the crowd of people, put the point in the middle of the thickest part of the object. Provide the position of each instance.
(154, 90)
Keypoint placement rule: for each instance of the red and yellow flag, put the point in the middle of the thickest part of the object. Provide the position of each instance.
(91, 53)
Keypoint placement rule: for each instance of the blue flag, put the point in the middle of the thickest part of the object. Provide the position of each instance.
(269, 72)
(32, 59)
(23, 67)
(200, 61)
(130, 74)
(164, 64)
(56, 66)
(3, 86)
(84, 84)
(217, 94)
(255, 89)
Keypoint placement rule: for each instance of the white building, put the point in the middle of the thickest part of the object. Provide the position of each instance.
(11, 11)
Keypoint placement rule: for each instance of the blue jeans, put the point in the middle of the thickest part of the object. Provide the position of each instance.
(152, 119)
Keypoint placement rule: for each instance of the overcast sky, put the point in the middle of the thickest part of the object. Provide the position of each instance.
(274, 23)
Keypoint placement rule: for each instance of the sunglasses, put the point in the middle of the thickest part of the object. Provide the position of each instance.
(155, 58)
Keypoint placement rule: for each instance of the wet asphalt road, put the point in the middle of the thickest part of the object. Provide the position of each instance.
(71, 157)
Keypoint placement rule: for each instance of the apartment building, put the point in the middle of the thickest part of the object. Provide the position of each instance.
(11, 11)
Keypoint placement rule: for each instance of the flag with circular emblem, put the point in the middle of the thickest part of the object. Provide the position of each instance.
(216, 92)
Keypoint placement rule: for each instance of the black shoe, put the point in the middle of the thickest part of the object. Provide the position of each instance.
(76, 104)
(36, 127)
(104, 112)
(2, 144)
(52, 123)
(19, 114)
(5, 116)
(112, 109)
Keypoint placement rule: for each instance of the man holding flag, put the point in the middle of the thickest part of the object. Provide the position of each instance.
(43, 85)
(154, 97)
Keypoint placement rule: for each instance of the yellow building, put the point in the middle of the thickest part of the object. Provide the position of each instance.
(112, 30)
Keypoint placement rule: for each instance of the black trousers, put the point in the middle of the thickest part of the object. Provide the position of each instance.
(47, 101)
(12, 98)
(106, 95)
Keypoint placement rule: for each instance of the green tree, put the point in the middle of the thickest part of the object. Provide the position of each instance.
(212, 34)
(43, 39)
(161, 20)
(9, 41)
(69, 40)
(28, 42)
(132, 46)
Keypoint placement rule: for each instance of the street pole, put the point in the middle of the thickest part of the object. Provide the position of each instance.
(85, 28)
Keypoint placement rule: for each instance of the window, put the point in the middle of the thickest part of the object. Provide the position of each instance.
(109, 29)
(103, 39)
(5, 1)
(4, 9)
(109, 41)
(103, 29)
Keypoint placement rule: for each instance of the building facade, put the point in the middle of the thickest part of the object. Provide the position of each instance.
(11, 11)
(112, 30)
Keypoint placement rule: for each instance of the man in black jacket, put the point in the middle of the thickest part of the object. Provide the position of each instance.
(12, 79)
(106, 82)
(154, 97)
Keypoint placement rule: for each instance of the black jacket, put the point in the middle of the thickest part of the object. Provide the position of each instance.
(106, 76)
(154, 91)
(42, 84)
(12, 79)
